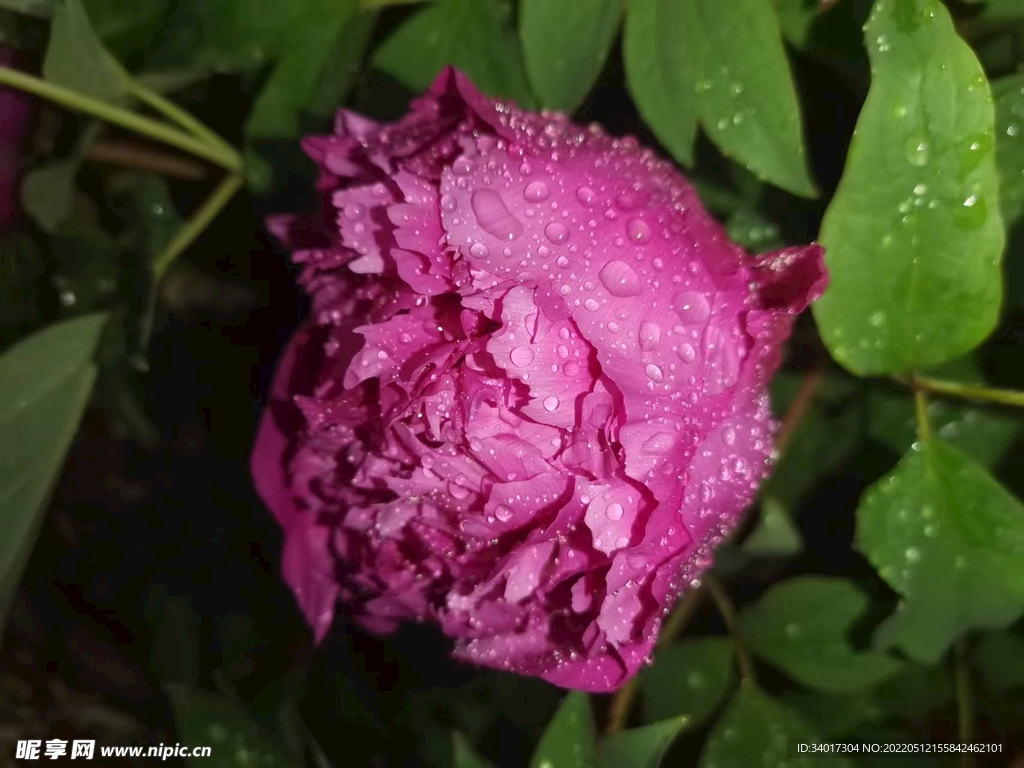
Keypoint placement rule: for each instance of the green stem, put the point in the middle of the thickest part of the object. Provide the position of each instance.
(172, 111)
(967, 391)
(728, 613)
(964, 700)
(924, 427)
(145, 126)
(199, 221)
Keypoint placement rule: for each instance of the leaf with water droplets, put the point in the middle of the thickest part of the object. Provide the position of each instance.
(568, 741)
(999, 657)
(665, 101)
(756, 730)
(45, 382)
(1008, 93)
(475, 36)
(565, 46)
(689, 679)
(726, 59)
(913, 238)
(642, 747)
(229, 730)
(802, 626)
(950, 540)
(775, 535)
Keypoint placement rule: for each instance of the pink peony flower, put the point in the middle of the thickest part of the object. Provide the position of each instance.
(532, 396)
(15, 111)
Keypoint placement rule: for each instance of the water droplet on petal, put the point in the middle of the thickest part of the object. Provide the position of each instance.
(493, 216)
(620, 279)
(585, 195)
(521, 356)
(536, 191)
(503, 513)
(591, 305)
(692, 308)
(638, 231)
(686, 353)
(654, 373)
(448, 203)
(550, 403)
(650, 336)
(613, 511)
(478, 250)
(556, 232)
(562, 262)
(354, 211)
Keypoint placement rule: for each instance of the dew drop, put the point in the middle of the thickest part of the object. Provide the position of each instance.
(503, 513)
(556, 232)
(620, 279)
(686, 353)
(654, 373)
(562, 262)
(585, 195)
(536, 191)
(591, 305)
(478, 251)
(728, 435)
(521, 356)
(692, 308)
(448, 203)
(638, 231)
(354, 211)
(462, 167)
(613, 511)
(493, 216)
(550, 403)
(650, 336)
(916, 149)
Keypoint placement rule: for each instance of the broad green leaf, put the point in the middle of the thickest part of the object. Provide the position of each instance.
(915, 692)
(982, 433)
(568, 741)
(642, 747)
(729, 55)
(209, 720)
(775, 534)
(664, 100)
(565, 46)
(76, 59)
(343, 66)
(950, 540)
(802, 626)
(125, 26)
(45, 381)
(298, 76)
(834, 713)
(689, 680)
(48, 192)
(475, 36)
(1008, 93)
(796, 17)
(41, 8)
(465, 756)
(756, 730)
(999, 657)
(913, 238)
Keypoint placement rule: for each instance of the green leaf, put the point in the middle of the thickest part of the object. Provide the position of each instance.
(40, 8)
(950, 540)
(565, 46)
(639, 747)
(802, 626)
(464, 754)
(689, 680)
(727, 58)
(756, 730)
(999, 657)
(775, 534)
(913, 238)
(796, 17)
(664, 100)
(203, 718)
(475, 36)
(45, 382)
(76, 59)
(343, 66)
(915, 692)
(126, 26)
(568, 741)
(982, 433)
(834, 713)
(48, 192)
(1008, 93)
(297, 75)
